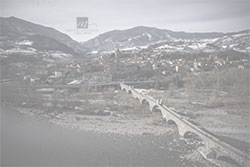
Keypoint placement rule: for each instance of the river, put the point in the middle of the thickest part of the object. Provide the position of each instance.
(27, 141)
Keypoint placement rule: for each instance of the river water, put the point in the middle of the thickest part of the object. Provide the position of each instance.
(27, 141)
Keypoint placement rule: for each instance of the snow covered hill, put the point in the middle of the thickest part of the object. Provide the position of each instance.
(142, 37)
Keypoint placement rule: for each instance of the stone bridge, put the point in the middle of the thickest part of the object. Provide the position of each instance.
(214, 149)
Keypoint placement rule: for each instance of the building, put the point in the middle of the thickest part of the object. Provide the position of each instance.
(97, 77)
(58, 74)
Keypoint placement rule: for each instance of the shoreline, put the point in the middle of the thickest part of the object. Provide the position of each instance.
(109, 149)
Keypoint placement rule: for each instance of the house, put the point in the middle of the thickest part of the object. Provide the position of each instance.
(58, 74)
(196, 64)
(99, 77)
(241, 67)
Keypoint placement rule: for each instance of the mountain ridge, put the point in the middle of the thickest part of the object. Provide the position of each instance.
(142, 35)
(14, 28)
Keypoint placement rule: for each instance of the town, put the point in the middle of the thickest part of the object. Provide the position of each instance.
(133, 65)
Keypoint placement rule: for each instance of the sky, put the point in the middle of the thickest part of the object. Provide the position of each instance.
(107, 15)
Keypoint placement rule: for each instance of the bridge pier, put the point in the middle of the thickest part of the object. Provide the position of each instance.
(207, 153)
(181, 131)
(151, 107)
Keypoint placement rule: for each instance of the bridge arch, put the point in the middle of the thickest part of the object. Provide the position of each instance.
(145, 105)
(171, 122)
(144, 101)
(193, 135)
(155, 108)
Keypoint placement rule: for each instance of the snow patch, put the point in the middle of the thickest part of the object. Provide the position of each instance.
(25, 42)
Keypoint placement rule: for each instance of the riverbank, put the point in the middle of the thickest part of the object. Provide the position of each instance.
(28, 141)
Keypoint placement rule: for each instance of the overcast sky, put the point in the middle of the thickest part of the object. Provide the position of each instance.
(106, 15)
